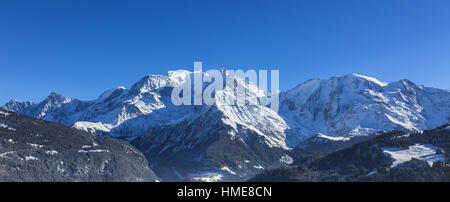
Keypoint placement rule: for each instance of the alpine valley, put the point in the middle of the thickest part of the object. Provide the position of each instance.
(223, 142)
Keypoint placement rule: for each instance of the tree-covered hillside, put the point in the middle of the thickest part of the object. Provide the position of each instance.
(392, 156)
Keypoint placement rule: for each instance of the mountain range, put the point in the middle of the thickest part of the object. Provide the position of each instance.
(223, 142)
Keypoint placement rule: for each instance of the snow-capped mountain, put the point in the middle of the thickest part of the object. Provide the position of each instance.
(230, 142)
(354, 105)
(175, 136)
(17, 106)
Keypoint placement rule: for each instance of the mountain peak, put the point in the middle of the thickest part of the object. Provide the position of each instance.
(404, 84)
(112, 92)
(148, 83)
(170, 79)
(16, 106)
(368, 78)
(55, 98)
(55, 95)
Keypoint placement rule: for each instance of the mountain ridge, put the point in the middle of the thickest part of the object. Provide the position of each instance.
(35, 150)
(346, 106)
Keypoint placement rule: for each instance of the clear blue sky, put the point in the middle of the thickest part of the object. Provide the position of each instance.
(81, 48)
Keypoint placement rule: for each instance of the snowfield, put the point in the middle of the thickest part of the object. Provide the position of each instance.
(333, 138)
(422, 152)
(51, 152)
(227, 169)
(206, 177)
(2, 125)
(91, 127)
(94, 151)
(31, 158)
(4, 113)
(5, 155)
(36, 146)
(259, 167)
(286, 159)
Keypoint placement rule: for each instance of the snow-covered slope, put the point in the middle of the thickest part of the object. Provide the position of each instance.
(354, 105)
(423, 152)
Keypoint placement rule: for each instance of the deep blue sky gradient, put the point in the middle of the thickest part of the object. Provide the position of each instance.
(81, 48)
